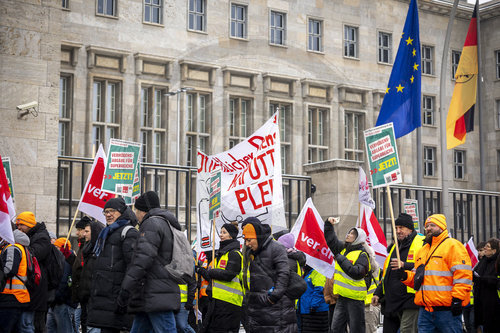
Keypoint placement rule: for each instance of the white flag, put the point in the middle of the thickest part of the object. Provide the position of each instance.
(7, 210)
(364, 190)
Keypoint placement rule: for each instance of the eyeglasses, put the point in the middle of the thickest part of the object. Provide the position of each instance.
(108, 211)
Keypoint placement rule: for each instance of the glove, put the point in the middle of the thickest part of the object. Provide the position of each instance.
(203, 272)
(66, 251)
(401, 274)
(122, 302)
(456, 307)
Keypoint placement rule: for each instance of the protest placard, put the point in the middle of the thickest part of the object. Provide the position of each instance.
(411, 208)
(8, 173)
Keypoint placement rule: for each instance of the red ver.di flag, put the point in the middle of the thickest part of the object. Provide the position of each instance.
(7, 210)
(310, 239)
(93, 197)
(250, 184)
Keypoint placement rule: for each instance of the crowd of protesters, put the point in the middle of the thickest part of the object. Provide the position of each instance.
(116, 279)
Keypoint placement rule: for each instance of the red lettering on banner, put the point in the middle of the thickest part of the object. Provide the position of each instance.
(93, 194)
(258, 198)
(241, 196)
(311, 239)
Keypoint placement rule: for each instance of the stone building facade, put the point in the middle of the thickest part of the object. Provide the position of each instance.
(101, 68)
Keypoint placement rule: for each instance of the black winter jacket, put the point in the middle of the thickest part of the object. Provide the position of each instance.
(107, 276)
(40, 248)
(396, 298)
(147, 281)
(262, 316)
(76, 271)
(88, 258)
(486, 300)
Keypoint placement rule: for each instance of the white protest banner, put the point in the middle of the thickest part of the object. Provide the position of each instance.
(310, 239)
(250, 184)
(411, 208)
(93, 197)
(365, 196)
(7, 210)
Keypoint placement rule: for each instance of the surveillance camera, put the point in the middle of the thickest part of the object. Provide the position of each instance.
(27, 106)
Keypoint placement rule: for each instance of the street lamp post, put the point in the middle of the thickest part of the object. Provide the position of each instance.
(178, 93)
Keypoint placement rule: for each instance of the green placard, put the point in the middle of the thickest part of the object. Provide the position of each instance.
(215, 195)
(123, 160)
(136, 188)
(411, 208)
(8, 173)
(382, 155)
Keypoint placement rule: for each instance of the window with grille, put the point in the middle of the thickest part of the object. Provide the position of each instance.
(428, 110)
(350, 41)
(238, 21)
(277, 26)
(285, 123)
(353, 136)
(317, 137)
(65, 4)
(385, 47)
(197, 120)
(430, 161)
(153, 11)
(497, 56)
(459, 163)
(455, 59)
(106, 7)
(197, 16)
(65, 107)
(315, 35)
(427, 60)
(152, 130)
(106, 105)
(240, 115)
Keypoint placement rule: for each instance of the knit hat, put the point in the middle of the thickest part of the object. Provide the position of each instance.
(147, 201)
(405, 220)
(361, 236)
(60, 242)
(288, 240)
(26, 218)
(249, 231)
(437, 219)
(84, 221)
(231, 229)
(116, 203)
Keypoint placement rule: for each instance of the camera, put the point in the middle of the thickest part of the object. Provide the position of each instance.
(27, 106)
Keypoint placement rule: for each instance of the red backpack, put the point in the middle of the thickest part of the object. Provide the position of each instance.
(33, 272)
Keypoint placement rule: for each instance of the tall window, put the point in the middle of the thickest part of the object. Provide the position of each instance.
(350, 41)
(317, 135)
(153, 131)
(277, 28)
(197, 15)
(455, 59)
(385, 47)
(238, 21)
(428, 110)
(105, 112)
(65, 94)
(153, 11)
(498, 163)
(315, 35)
(497, 53)
(498, 112)
(65, 4)
(459, 163)
(353, 131)
(427, 59)
(429, 161)
(239, 120)
(197, 125)
(106, 7)
(285, 123)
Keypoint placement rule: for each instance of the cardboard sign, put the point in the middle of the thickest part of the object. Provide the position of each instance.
(411, 208)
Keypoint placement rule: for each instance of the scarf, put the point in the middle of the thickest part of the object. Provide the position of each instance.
(101, 240)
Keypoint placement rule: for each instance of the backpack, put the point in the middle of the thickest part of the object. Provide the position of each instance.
(182, 257)
(3, 279)
(55, 267)
(33, 272)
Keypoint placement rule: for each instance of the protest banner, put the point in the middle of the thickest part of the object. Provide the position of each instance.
(8, 174)
(136, 187)
(411, 208)
(472, 251)
(7, 209)
(123, 159)
(250, 172)
(382, 154)
(310, 239)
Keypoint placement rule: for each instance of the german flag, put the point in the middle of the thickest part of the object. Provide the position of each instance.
(460, 118)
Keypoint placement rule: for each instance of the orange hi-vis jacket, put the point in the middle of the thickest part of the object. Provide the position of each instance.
(16, 285)
(448, 274)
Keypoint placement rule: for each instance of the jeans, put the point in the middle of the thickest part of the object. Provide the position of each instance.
(405, 321)
(181, 320)
(26, 322)
(60, 319)
(77, 318)
(157, 322)
(9, 318)
(442, 321)
(348, 311)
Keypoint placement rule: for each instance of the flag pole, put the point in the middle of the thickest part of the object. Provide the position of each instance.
(71, 228)
(443, 114)
(393, 224)
(478, 102)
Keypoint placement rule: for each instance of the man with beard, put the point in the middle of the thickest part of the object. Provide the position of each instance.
(399, 308)
(442, 279)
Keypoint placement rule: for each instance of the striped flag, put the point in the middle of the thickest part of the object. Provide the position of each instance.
(460, 119)
(7, 210)
(471, 250)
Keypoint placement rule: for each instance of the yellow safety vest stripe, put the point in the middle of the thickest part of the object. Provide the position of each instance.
(228, 291)
(346, 286)
(16, 285)
(184, 292)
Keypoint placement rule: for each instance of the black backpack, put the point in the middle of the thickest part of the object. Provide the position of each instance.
(3, 279)
(55, 267)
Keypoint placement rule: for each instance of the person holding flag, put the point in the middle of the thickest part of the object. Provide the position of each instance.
(399, 309)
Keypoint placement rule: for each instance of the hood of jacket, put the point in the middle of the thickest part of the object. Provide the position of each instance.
(228, 245)
(164, 214)
(40, 226)
(21, 238)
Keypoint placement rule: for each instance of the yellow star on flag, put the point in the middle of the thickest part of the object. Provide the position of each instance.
(409, 41)
(400, 88)
(415, 67)
(414, 53)
(387, 90)
(412, 78)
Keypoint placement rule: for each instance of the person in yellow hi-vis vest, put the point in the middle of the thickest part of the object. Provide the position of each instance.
(399, 309)
(14, 298)
(351, 268)
(225, 288)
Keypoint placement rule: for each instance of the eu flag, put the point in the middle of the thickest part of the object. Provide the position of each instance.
(401, 104)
